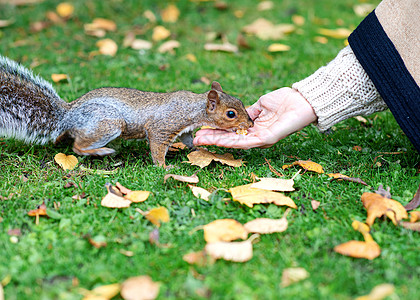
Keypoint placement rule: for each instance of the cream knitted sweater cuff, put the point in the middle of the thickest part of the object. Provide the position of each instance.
(340, 90)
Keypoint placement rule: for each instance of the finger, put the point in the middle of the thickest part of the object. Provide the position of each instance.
(254, 110)
(229, 140)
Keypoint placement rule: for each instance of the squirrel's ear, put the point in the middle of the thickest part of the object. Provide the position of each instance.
(212, 100)
(216, 86)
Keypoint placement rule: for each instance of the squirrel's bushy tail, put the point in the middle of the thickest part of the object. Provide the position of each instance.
(30, 109)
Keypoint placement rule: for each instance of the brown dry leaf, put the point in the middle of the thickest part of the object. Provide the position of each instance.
(315, 204)
(200, 192)
(103, 292)
(266, 226)
(339, 176)
(203, 158)
(5, 23)
(157, 215)
(412, 226)
(170, 14)
(122, 189)
(140, 288)
(379, 292)
(339, 33)
(293, 275)
(67, 162)
(377, 206)
(59, 77)
(274, 184)
(65, 10)
(113, 199)
(249, 196)
(190, 179)
(160, 33)
(278, 48)
(169, 46)
(139, 44)
(232, 251)
(415, 202)
(107, 47)
(266, 30)
(306, 165)
(225, 230)
(225, 47)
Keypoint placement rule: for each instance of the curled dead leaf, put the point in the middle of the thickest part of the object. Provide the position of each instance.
(67, 162)
(140, 287)
(225, 230)
(203, 158)
(156, 215)
(113, 199)
(266, 226)
(190, 179)
(232, 251)
(168, 46)
(138, 44)
(339, 33)
(200, 192)
(377, 206)
(249, 196)
(103, 292)
(275, 184)
(199, 258)
(266, 30)
(41, 210)
(339, 176)
(415, 202)
(225, 47)
(160, 33)
(278, 48)
(107, 47)
(306, 165)
(59, 77)
(359, 249)
(170, 14)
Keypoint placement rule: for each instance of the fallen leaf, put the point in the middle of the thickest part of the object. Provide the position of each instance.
(225, 47)
(265, 5)
(266, 30)
(414, 216)
(113, 200)
(339, 33)
(225, 230)
(107, 47)
(123, 189)
(59, 77)
(41, 210)
(148, 14)
(65, 9)
(139, 44)
(293, 275)
(306, 165)
(232, 251)
(315, 204)
(274, 184)
(140, 288)
(137, 196)
(103, 292)
(5, 23)
(363, 9)
(415, 202)
(298, 20)
(199, 258)
(190, 179)
(359, 249)
(101, 23)
(361, 119)
(266, 226)
(192, 58)
(168, 46)
(170, 14)
(156, 215)
(249, 196)
(321, 39)
(339, 176)
(203, 158)
(67, 162)
(278, 48)
(97, 242)
(200, 192)
(160, 33)
(377, 206)
(412, 226)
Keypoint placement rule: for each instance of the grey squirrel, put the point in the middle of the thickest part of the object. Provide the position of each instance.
(32, 111)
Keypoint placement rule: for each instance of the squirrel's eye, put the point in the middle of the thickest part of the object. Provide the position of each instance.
(230, 114)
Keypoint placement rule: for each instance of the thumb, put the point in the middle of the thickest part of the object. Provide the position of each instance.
(254, 110)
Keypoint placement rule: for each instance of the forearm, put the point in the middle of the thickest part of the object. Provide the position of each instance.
(340, 90)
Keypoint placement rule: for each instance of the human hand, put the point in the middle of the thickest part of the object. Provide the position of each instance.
(276, 115)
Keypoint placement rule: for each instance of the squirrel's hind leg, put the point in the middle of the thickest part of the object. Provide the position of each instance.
(91, 142)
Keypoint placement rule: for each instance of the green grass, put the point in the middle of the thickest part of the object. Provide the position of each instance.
(49, 257)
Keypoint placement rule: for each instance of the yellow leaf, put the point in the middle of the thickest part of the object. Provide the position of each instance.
(160, 33)
(293, 275)
(278, 48)
(59, 77)
(65, 10)
(113, 199)
(200, 192)
(170, 14)
(249, 196)
(225, 47)
(107, 47)
(225, 230)
(137, 196)
(265, 5)
(298, 20)
(315, 204)
(377, 206)
(306, 165)
(232, 251)
(203, 158)
(67, 162)
(339, 33)
(266, 30)
(191, 57)
(190, 179)
(321, 39)
(359, 249)
(414, 216)
(140, 287)
(266, 226)
(103, 292)
(379, 292)
(168, 46)
(157, 215)
(105, 24)
(275, 184)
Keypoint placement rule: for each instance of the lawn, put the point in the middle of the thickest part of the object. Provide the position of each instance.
(55, 260)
